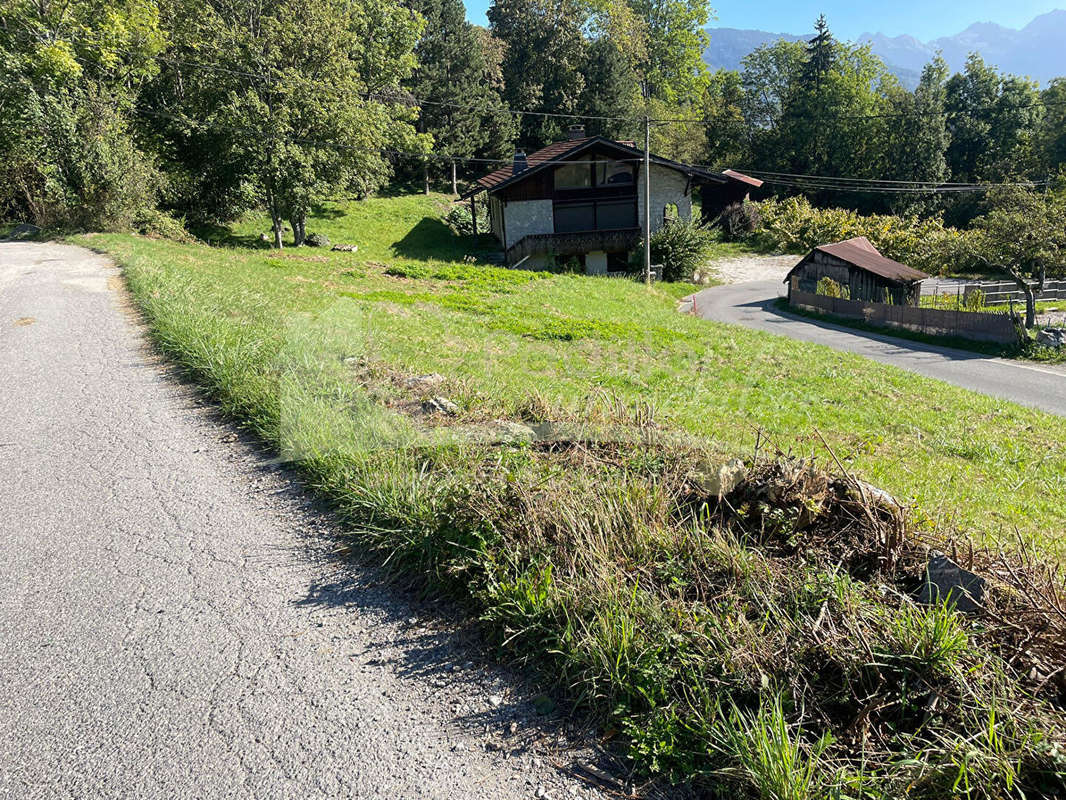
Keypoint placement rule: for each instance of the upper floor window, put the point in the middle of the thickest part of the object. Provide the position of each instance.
(613, 173)
(600, 173)
(573, 176)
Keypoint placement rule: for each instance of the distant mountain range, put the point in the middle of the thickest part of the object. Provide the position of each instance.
(1038, 50)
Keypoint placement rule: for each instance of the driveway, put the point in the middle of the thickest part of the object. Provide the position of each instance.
(173, 622)
(752, 304)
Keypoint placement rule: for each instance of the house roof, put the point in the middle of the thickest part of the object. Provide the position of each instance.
(740, 176)
(861, 253)
(560, 151)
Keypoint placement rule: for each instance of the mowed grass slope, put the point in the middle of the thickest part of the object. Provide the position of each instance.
(767, 647)
(987, 467)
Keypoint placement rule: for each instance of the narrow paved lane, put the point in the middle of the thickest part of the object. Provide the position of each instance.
(171, 625)
(753, 305)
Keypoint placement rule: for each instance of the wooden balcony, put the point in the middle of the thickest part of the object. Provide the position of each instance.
(572, 244)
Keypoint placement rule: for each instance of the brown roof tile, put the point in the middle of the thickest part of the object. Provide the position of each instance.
(552, 151)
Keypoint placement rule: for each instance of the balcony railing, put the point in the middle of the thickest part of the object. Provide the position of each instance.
(572, 244)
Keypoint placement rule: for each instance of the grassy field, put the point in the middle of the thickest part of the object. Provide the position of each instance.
(705, 642)
(985, 466)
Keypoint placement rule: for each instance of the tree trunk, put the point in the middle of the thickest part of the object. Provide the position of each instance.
(1031, 291)
(275, 217)
(299, 229)
(455, 183)
(425, 175)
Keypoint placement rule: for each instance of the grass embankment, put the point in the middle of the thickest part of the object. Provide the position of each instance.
(770, 646)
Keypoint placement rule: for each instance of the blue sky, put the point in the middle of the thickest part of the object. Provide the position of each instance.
(922, 18)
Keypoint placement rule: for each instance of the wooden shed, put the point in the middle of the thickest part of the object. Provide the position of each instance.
(717, 197)
(857, 265)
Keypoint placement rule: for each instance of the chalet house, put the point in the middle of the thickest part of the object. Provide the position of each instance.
(857, 265)
(584, 199)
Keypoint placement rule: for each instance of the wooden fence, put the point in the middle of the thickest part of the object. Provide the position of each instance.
(999, 292)
(933, 321)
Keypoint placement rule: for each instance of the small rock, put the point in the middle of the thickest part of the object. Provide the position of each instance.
(541, 792)
(947, 581)
(1052, 337)
(720, 480)
(423, 381)
(345, 248)
(495, 701)
(316, 240)
(440, 405)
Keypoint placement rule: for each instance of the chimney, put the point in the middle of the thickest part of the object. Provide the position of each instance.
(520, 163)
(577, 132)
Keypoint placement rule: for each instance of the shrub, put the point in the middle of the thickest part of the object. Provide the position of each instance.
(830, 288)
(794, 225)
(461, 222)
(158, 224)
(740, 220)
(682, 248)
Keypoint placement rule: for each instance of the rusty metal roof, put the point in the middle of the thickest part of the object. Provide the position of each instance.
(559, 151)
(861, 253)
(740, 176)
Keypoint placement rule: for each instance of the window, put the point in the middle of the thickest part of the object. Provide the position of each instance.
(573, 176)
(575, 217)
(613, 173)
(615, 214)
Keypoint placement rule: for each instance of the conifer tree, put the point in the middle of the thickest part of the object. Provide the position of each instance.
(462, 107)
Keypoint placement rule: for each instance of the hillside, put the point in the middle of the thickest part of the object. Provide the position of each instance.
(1035, 50)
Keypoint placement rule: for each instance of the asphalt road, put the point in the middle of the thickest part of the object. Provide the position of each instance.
(753, 305)
(172, 622)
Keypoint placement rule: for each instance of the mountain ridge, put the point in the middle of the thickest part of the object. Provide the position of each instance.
(1035, 50)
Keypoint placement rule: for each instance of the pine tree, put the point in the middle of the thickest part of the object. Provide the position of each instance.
(461, 109)
(544, 62)
(820, 55)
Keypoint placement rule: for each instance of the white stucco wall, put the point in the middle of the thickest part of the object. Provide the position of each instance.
(667, 186)
(525, 217)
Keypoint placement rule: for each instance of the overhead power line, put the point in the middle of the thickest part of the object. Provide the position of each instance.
(781, 179)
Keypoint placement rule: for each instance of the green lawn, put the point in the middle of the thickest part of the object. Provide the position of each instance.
(746, 647)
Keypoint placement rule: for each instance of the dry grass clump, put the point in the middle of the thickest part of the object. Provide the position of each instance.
(755, 629)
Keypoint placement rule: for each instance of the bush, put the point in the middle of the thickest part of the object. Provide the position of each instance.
(830, 288)
(459, 219)
(158, 224)
(682, 248)
(739, 221)
(793, 225)
(76, 165)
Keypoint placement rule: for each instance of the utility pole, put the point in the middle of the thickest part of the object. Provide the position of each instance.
(647, 190)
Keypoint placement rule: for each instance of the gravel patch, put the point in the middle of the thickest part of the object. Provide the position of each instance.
(753, 268)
